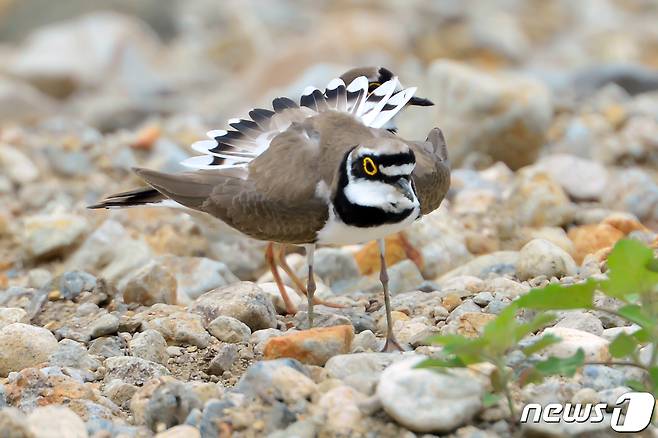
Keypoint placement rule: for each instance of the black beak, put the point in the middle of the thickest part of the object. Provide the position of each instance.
(420, 101)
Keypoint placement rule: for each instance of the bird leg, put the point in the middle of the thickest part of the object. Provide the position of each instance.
(391, 343)
(300, 288)
(310, 285)
(291, 309)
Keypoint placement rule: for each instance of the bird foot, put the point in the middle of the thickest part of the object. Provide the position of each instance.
(392, 345)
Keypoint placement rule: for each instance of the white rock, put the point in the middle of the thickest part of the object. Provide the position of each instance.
(271, 289)
(595, 347)
(228, 329)
(541, 257)
(339, 409)
(580, 320)
(427, 401)
(197, 275)
(580, 178)
(180, 431)
(505, 116)
(16, 165)
(23, 346)
(149, 345)
(10, 315)
(46, 235)
(56, 422)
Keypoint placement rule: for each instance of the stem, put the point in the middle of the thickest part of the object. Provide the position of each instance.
(624, 364)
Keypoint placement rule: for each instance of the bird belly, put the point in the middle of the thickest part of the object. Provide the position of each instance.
(337, 232)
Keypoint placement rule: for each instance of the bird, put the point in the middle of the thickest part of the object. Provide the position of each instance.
(326, 170)
(376, 76)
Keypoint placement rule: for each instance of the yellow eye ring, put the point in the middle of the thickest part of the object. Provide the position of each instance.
(373, 85)
(369, 166)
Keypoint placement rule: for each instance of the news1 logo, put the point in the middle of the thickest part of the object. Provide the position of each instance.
(638, 413)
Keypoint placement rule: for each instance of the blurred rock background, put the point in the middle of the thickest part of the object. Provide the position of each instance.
(550, 109)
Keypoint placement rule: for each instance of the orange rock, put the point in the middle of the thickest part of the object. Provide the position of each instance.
(314, 346)
(146, 137)
(589, 239)
(624, 223)
(397, 249)
(471, 324)
(451, 301)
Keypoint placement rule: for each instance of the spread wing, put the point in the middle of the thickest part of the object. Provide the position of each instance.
(432, 172)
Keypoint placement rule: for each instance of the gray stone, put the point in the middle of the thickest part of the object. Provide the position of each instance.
(107, 324)
(197, 275)
(579, 177)
(23, 346)
(360, 370)
(10, 315)
(119, 392)
(404, 277)
(73, 283)
(244, 301)
(149, 345)
(150, 284)
(13, 424)
(182, 328)
(497, 263)
(483, 298)
(73, 354)
(133, 370)
(224, 360)
(426, 401)
(228, 329)
(580, 320)
(55, 422)
(52, 235)
(170, 405)
(259, 378)
(336, 267)
(108, 346)
(541, 257)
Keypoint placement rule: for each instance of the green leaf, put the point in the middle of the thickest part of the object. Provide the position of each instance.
(490, 399)
(635, 313)
(653, 374)
(537, 323)
(450, 362)
(623, 345)
(540, 344)
(630, 269)
(563, 366)
(530, 375)
(498, 335)
(636, 385)
(558, 297)
(642, 335)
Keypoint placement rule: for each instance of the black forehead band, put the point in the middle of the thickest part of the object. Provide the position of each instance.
(385, 74)
(395, 159)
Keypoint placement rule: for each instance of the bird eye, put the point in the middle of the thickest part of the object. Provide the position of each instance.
(369, 166)
(372, 86)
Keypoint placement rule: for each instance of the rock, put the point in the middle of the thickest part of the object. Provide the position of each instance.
(361, 371)
(283, 379)
(591, 238)
(224, 360)
(46, 236)
(517, 109)
(119, 392)
(414, 332)
(483, 298)
(537, 200)
(149, 345)
(404, 277)
(10, 315)
(197, 275)
(89, 326)
(601, 377)
(634, 191)
(108, 346)
(314, 346)
(38, 278)
(244, 301)
(579, 177)
(336, 267)
(181, 431)
(272, 290)
(595, 347)
(168, 405)
(133, 370)
(497, 263)
(23, 346)
(321, 318)
(56, 422)
(71, 284)
(21, 102)
(624, 222)
(151, 284)
(14, 163)
(471, 324)
(365, 341)
(541, 257)
(73, 354)
(339, 411)
(228, 329)
(180, 328)
(555, 235)
(13, 424)
(106, 324)
(584, 321)
(426, 401)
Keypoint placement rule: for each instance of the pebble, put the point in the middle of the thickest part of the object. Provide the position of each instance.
(365, 341)
(361, 371)
(579, 177)
(284, 379)
(13, 423)
(228, 329)
(404, 277)
(414, 332)
(10, 315)
(181, 328)
(595, 347)
(339, 412)
(119, 392)
(23, 346)
(427, 401)
(272, 290)
(336, 267)
(541, 257)
(149, 345)
(151, 284)
(133, 370)
(591, 238)
(498, 263)
(196, 275)
(167, 405)
(71, 284)
(314, 346)
(56, 422)
(73, 354)
(582, 321)
(107, 346)
(15, 164)
(224, 360)
(180, 431)
(244, 301)
(46, 236)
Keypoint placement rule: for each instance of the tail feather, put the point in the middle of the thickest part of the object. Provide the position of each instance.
(145, 196)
